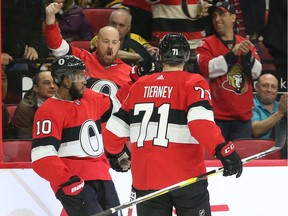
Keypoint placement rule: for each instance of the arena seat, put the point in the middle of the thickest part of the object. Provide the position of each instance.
(97, 17)
(11, 110)
(16, 150)
(248, 147)
(81, 44)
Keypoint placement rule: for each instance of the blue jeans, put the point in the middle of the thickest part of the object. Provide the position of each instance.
(234, 129)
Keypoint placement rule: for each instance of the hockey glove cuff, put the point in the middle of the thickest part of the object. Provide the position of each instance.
(229, 158)
(143, 68)
(120, 162)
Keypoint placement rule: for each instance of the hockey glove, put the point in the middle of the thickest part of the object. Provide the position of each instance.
(73, 186)
(76, 193)
(120, 162)
(230, 159)
(145, 67)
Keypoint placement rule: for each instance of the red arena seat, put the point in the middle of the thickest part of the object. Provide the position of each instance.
(16, 150)
(11, 110)
(97, 17)
(81, 44)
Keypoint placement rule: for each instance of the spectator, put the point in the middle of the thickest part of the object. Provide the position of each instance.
(7, 130)
(253, 12)
(108, 73)
(72, 21)
(239, 27)
(187, 17)
(275, 35)
(230, 62)
(42, 89)
(142, 21)
(22, 35)
(267, 111)
(67, 146)
(121, 20)
(178, 104)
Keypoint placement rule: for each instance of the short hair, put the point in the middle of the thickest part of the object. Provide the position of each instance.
(121, 10)
(36, 77)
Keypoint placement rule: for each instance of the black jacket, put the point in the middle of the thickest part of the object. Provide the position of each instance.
(22, 25)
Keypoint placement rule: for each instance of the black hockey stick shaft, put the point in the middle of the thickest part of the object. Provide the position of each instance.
(280, 140)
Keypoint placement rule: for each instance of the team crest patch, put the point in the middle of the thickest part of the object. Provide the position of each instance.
(236, 80)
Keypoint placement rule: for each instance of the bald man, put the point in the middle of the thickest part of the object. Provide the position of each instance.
(121, 20)
(267, 111)
(108, 73)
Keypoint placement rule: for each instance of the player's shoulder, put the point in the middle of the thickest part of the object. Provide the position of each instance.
(195, 77)
(90, 95)
(49, 107)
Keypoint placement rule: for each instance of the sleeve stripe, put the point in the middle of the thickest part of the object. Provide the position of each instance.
(217, 67)
(203, 103)
(200, 113)
(256, 69)
(117, 126)
(42, 151)
(179, 134)
(62, 50)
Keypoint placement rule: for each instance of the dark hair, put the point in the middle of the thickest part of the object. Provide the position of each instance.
(36, 78)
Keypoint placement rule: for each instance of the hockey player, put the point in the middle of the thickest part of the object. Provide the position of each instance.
(169, 119)
(67, 147)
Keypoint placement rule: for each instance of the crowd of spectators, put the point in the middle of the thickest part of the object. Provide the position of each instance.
(144, 22)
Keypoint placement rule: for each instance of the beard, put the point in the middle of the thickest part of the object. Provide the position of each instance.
(75, 93)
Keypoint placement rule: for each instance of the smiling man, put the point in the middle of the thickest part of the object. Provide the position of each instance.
(267, 110)
(230, 63)
(42, 89)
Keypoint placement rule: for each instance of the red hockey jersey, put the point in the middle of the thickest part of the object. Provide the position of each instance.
(169, 119)
(67, 139)
(178, 16)
(231, 89)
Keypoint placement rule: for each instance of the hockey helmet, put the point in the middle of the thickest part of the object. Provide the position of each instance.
(65, 66)
(174, 49)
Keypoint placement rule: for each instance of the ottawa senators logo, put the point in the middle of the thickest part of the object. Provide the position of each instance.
(236, 80)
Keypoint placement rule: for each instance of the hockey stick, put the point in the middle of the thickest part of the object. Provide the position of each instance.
(280, 139)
